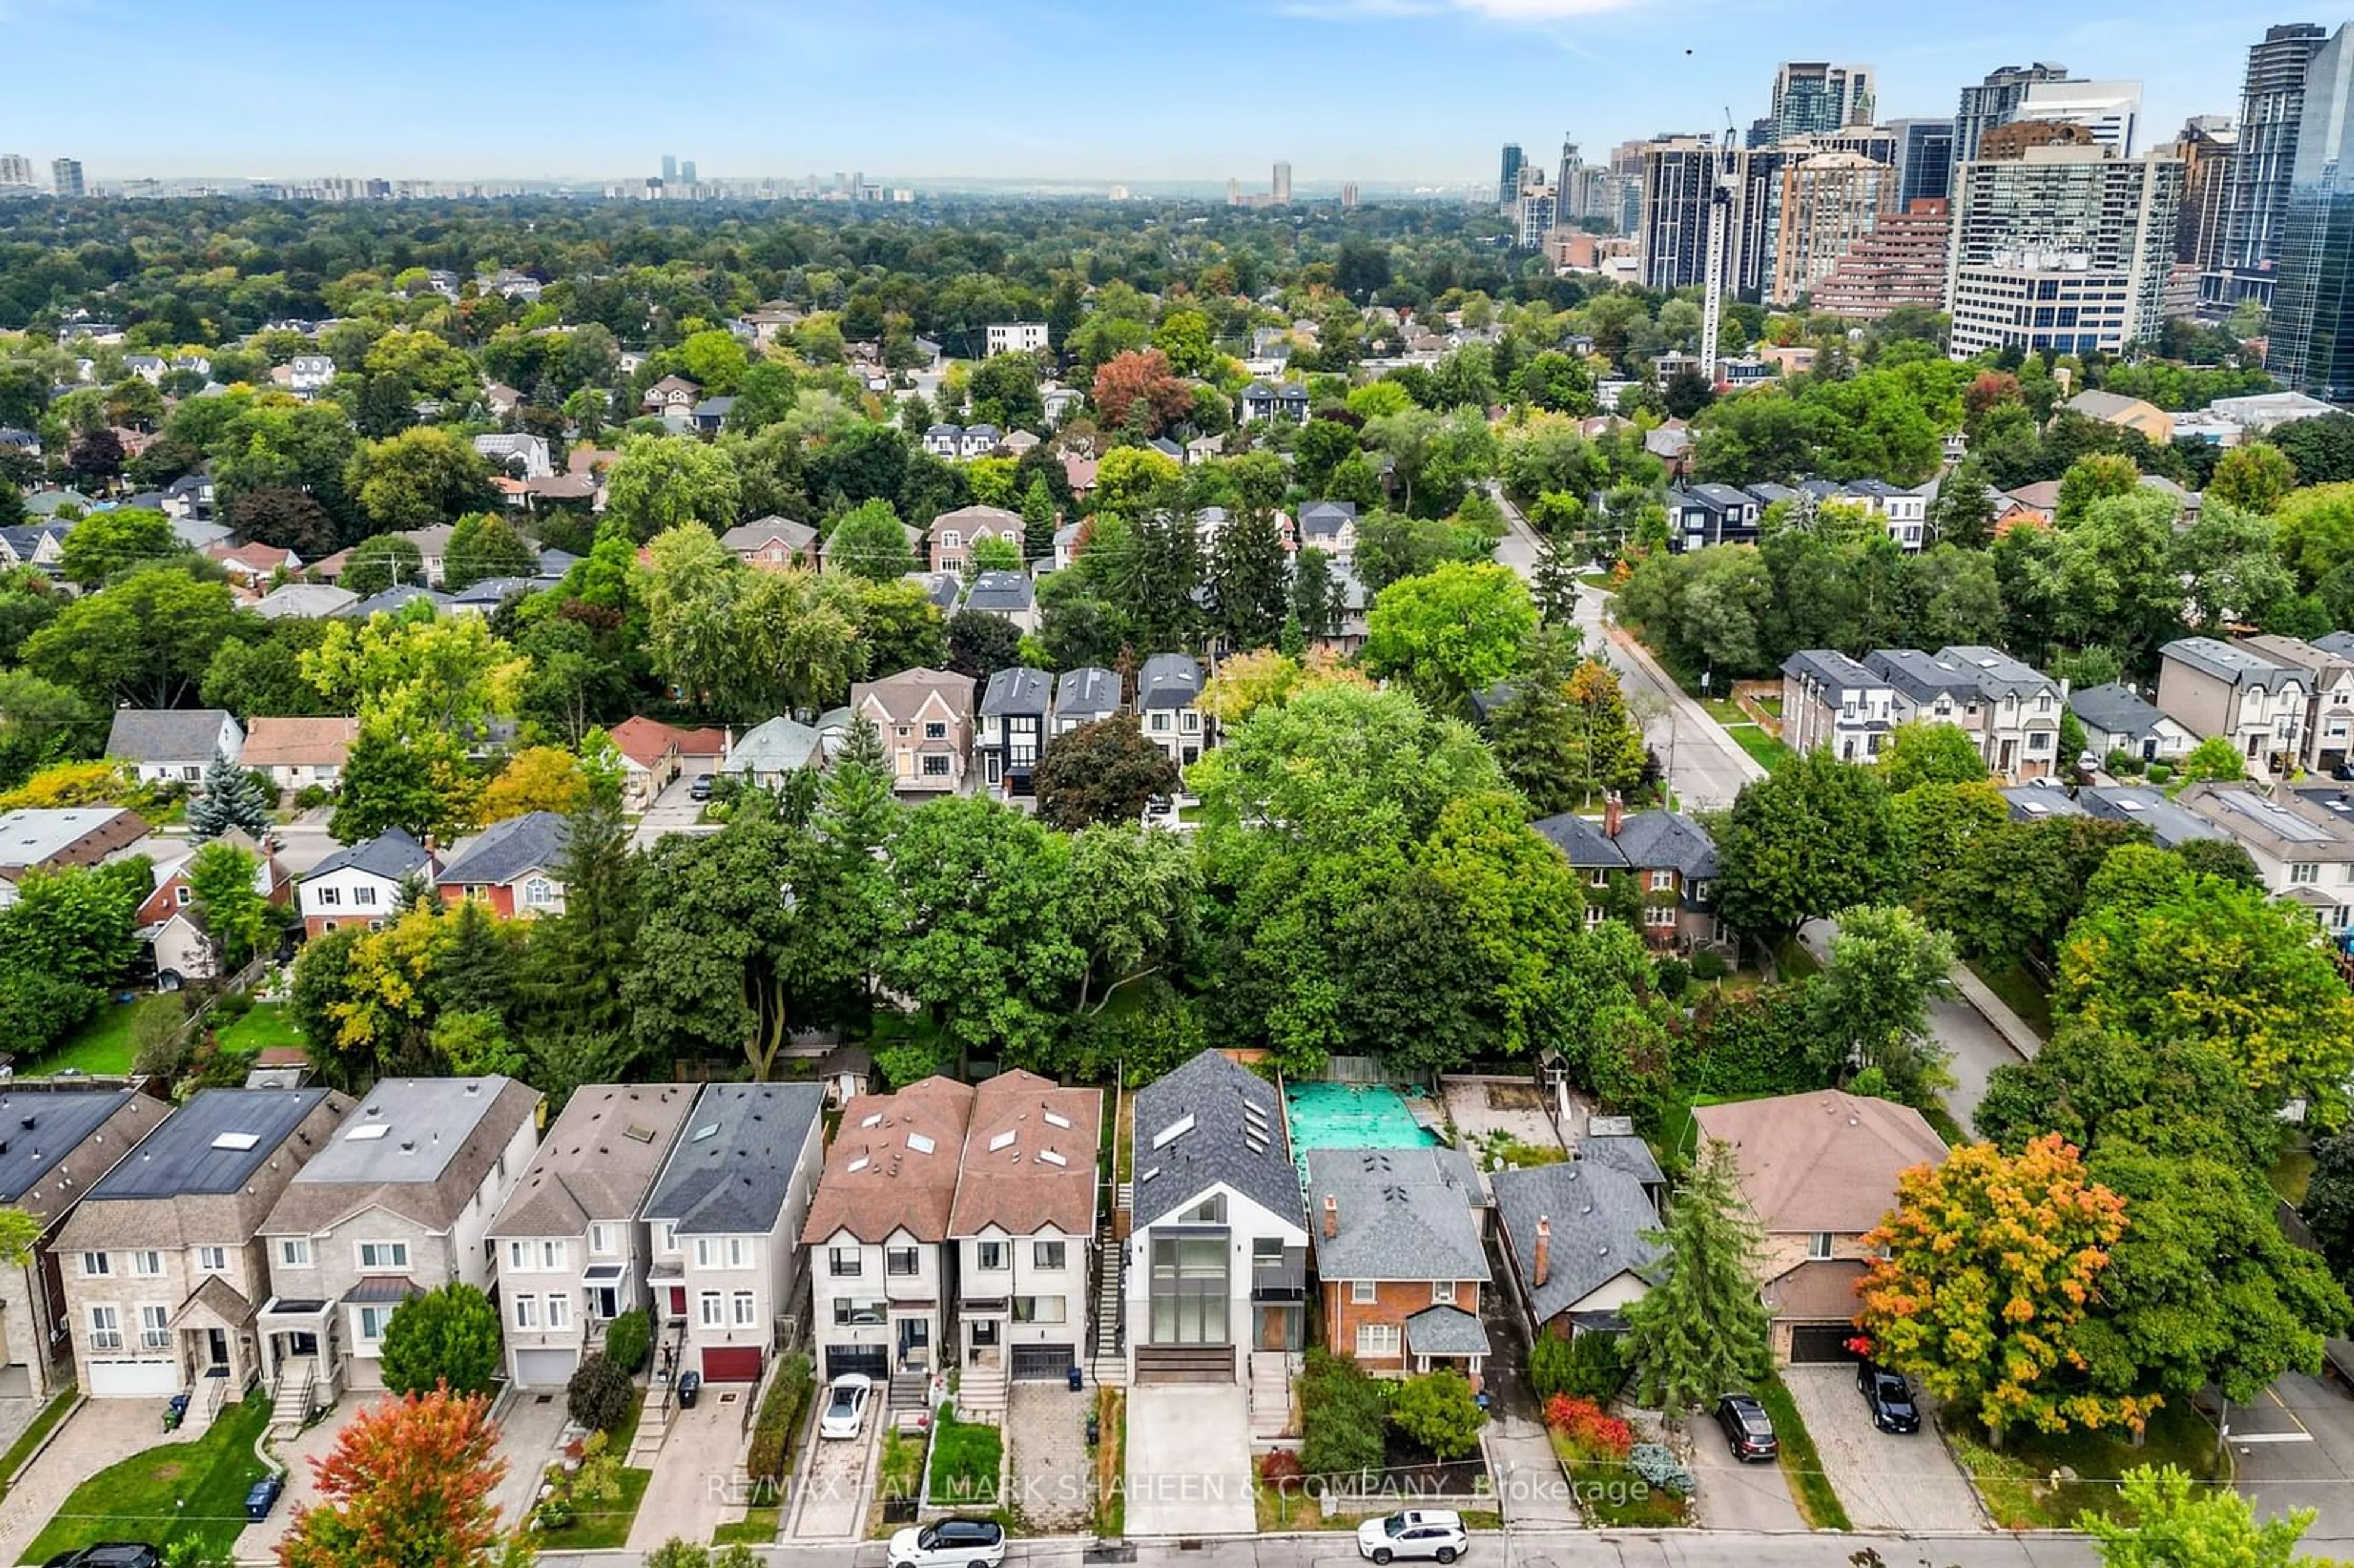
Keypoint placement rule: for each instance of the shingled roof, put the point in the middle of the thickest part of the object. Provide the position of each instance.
(1029, 1159)
(893, 1164)
(1395, 1214)
(1821, 1161)
(731, 1169)
(1209, 1122)
(507, 850)
(440, 1137)
(1600, 1216)
(165, 735)
(210, 1172)
(597, 1161)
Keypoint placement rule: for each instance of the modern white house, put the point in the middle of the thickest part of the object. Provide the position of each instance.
(721, 1261)
(359, 883)
(1216, 1265)
(570, 1244)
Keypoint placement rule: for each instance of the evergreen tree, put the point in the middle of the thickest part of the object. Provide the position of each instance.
(1702, 1329)
(1554, 585)
(1037, 522)
(233, 798)
(1247, 579)
(478, 973)
(577, 960)
(1315, 596)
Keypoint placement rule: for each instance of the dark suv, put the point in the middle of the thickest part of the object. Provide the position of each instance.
(1747, 1428)
(109, 1554)
(1889, 1396)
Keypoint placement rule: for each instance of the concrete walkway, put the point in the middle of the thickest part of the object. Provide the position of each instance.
(697, 1480)
(1531, 1485)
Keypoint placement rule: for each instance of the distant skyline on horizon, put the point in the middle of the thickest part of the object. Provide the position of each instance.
(1381, 92)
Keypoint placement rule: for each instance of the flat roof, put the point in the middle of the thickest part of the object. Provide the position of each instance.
(408, 1129)
(38, 1128)
(213, 1144)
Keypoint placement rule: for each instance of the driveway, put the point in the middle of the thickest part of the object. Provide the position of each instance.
(1976, 1047)
(697, 1482)
(1189, 1464)
(1735, 1495)
(259, 1542)
(672, 812)
(833, 1483)
(99, 1433)
(1052, 1471)
(1884, 1482)
(531, 1437)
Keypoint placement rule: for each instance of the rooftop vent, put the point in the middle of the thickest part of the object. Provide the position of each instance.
(858, 1164)
(708, 1129)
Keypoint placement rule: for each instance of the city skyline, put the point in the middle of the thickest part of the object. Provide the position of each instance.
(1190, 107)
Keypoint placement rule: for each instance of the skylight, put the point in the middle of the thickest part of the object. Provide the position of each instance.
(874, 1119)
(921, 1142)
(369, 1130)
(1003, 1140)
(858, 1164)
(1053, 1157)
(1056, 1118)
(708, 1129)
(638, 1134)
(236, 1140)
(1149, 1175)
(1173, 1131)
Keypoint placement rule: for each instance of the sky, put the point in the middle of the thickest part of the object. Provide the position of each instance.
(1382, 91)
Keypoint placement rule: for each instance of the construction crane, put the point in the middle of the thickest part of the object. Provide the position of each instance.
(1720, 221)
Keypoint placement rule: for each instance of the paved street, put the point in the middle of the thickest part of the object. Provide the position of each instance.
(2306, 1459)
(99, 1433)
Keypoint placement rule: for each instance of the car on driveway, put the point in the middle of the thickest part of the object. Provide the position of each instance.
(109, 1554)
(949, 1543)
(845, 1405)
(1748, 1430)
(1417, 1533)
(701, 789)
(1889, 1398)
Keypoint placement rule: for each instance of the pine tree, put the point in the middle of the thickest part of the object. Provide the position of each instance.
(1702, 1329)
(233, 798)
(1315, 596)
(1247, 579)
(857, 810)
(1037, 522)
(577, 960)
(1554, 585)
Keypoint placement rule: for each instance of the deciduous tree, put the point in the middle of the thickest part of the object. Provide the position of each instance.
(1101, 772)
(2177, 1523)
(1455, 631)
(1814, 837)
(408, 1485)
(447, 1337)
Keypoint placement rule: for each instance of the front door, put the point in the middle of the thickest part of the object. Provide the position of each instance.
(217, 1346)
(914, 1340)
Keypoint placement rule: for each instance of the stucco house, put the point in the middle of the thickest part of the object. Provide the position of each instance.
(172, 745)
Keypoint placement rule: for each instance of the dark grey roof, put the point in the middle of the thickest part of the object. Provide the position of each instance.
(1768, 493)
(1395, 1216)
(736, 1161)
(392, 854)
(2233, 665)
(395, 600)
(940, 587)
(1000, 593)
(1446, 1331)
(1600, 1216)
(1622, 1152)
(505, 851)
(2039, 800)
(554, 563)
(1583, 842)
(165, 735)
(1325, 519)
(1168, 681)
(1920, 676)
(2339, 643)
(1833, 671)
(1089, 691)
(2168, 824)
(2114, 710)
(1210, 1121)
(1019, 690)
(38, 1128)
(1653, 838)
(492, 590)
(212, 1144)
(1996, 673)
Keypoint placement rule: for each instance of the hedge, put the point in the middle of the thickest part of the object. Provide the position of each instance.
(770, 1454)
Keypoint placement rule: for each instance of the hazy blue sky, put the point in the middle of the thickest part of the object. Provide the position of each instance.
(1108, 90)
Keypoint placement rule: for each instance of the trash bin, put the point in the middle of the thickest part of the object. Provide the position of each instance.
(1095, 1429)
(262, 1497)
(689, 1385)
(176, 1412)
(1075, 1380)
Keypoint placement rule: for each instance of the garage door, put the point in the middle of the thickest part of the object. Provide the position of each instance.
(731, 1363)
(1043, 1363)
(1821, 1343)
(545, 1368)
(872, 1360)
(126, 1379)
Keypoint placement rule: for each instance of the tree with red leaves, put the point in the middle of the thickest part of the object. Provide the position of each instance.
(1125, 377)
(408, 1486)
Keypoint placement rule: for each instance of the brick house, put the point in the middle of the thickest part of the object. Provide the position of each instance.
(512, 866)
(1400, 1267)
(1819, 1172)
(1669, 859)
(169, 1272)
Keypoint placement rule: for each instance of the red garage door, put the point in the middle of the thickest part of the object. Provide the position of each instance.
(731, 1363)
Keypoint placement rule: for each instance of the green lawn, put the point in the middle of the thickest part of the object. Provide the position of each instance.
(268, 1024)
(757, 1527)
(102, 1046)
(1769, 752)
(604, 1530)
(178, 1491)
(2016, 1483)
(1802, 1466)
(2019, 991)
(1794, 959)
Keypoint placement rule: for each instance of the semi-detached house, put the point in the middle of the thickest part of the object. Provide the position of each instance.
(569, 1242)
(722, 1264)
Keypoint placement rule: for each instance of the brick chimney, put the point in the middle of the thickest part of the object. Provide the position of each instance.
(1544, 1250)
(1614, 814)
(1332, 1216)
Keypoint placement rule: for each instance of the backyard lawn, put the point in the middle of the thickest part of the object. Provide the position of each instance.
(1769, 752)
(102, 1046)
(267, 1025)
(180, 1491)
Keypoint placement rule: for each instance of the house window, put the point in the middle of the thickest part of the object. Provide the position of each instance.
(600, 1241)
(105, 1328)
(1159, 723)
(328, 897)
(364, 897)
(154, 1328)
(903, 1261)
(519, 1257)
(670, 1235)
(952, 540)
(539, 892)
(371, 1322)
(706, 1252)
(96, 1266)
(1189, 722)
(708, 1308)
(1598, 877)
(1819, 1246)
(1362, 1291)
(1660, 916)
(559, 1310)
(1592, 916)
(192, 774)
(2305, 871)
(147, 1265)
(1039, 1308)
(936, 730)
(212, 1259)
(988, 1256)
(845, 1262)
(1377, 1339)
(741, 1309)
(1267, 1253)
(936, 766)
(294, 1252)
(1699, 891)
(1047, 1254)
(384, 1254)
(1442, 1293)
(182, 894)
(1662, 881)
(526, 1312)
(849, 1313)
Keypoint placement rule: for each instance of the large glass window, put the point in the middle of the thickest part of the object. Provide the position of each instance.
(1189, 1291)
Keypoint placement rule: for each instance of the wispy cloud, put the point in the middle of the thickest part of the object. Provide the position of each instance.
(1532, 13)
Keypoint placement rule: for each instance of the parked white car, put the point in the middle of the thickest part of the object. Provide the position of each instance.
(845, 1405)
(950, 1544)
(1432, 1532)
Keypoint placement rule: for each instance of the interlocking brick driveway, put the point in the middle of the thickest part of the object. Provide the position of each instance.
(1052, 1469)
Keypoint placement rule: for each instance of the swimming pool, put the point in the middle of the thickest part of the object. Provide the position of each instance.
(1355, 1115)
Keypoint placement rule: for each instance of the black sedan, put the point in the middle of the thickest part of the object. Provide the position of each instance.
(1748, 1430)
(1889, 1397)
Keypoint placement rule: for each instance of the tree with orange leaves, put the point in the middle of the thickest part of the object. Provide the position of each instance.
(1990, 1262)
(408, 1485)
(1141, 373)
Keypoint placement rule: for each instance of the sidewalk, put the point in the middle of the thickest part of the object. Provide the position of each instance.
(1995, 1011)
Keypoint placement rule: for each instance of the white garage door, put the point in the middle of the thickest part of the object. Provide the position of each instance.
(545, 1368)
(125, 1380)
